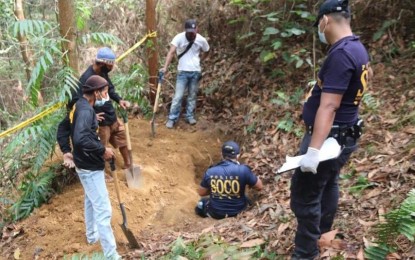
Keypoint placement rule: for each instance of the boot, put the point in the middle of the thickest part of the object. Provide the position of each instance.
(126, 157)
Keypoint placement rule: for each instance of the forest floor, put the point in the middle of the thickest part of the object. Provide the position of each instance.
(172, 164)
(376, 180)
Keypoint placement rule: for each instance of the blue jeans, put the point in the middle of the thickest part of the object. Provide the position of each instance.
(98, 211)
(190, 80)
(314, 199)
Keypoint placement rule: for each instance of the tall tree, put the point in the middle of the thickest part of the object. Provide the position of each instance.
(67, 29)
(24, 44)
(152, 53)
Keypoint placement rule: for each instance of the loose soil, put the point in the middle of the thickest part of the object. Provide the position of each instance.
(172, 164)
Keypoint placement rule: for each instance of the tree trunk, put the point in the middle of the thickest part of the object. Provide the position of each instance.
(67, 27)
(27, 56)
(152, 52)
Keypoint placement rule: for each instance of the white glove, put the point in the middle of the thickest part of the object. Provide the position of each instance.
(309, 162)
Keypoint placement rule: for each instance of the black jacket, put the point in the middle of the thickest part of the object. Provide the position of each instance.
(82, 125)
(109, 110)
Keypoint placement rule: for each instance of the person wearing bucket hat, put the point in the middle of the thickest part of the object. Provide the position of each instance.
(188, 46)
(111, 128)
(331, 110)
(225, 184)
(89, 156)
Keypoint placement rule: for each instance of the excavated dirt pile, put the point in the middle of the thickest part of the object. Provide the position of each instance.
(172, 164)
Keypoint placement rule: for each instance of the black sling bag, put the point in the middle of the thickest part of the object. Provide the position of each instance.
(186, 50)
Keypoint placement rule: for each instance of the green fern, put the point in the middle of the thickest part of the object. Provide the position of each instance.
(94, 256)
(36, 189)
(101, 38)
(42, 65)
(398, 222)
(30, 27)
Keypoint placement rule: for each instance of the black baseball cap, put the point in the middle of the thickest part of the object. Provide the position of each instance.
(332, 6)
(93, 83)
(190, 25)
(230, 149)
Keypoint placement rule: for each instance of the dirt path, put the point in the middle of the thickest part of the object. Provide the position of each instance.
(172, 165)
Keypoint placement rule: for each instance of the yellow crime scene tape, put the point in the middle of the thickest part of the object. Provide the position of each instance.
(61, 104)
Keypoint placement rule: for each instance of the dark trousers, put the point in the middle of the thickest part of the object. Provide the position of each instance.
(314, 199)
(202, 209)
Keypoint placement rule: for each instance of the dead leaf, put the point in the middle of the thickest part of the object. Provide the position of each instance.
(367, 223)
(372, 173)
(282, 228)
(326, 238)
(16, 254)
(409, 130)
(381, 212)
(252, 243)
(393, 256)
(372, 193)
(360, 254)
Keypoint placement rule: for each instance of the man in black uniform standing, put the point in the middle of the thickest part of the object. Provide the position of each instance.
(331, 110)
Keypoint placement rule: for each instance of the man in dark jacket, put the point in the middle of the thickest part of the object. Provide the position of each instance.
(225, 183)
(89, 156)
(111, 129)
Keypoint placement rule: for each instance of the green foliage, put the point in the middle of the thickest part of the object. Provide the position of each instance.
(376, 252)
(83, 13)
(213, 247)
(272, 31)
(361, 184)
(398, 222)
(131, 86)
(385, 26)
(370, 102)
(101, 38)
(286, 101)
(30, 27)
(94, 256)
(36, 189)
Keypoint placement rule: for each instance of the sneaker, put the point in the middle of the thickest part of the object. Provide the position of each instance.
(170, 124)
(191, 121)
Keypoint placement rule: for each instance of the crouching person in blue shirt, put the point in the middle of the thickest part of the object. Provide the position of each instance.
(225, 182)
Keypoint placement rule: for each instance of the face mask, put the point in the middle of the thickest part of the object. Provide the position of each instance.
(321, 35)
(100, 103)
(190, 36)
(105, 69)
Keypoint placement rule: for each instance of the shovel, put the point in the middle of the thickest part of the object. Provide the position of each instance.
(156, 103)
(132, 174)
(127, 232)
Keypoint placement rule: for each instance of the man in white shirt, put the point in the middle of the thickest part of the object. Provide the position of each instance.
(188, 45)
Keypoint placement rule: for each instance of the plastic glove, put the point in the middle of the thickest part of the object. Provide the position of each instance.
(68, 160)
(309, 162)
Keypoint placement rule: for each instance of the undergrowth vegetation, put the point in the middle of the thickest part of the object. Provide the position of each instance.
(25, 176)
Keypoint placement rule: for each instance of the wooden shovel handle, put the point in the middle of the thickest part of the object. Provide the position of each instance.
(114, 175)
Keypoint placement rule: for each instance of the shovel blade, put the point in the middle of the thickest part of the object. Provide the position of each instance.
(130, 236)
(133, 177)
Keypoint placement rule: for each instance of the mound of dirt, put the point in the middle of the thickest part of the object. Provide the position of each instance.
(172, 164)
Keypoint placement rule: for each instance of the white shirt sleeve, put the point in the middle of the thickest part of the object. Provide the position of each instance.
(176, 41)
(205, 44)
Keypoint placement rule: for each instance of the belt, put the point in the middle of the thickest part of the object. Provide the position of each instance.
(339, 132)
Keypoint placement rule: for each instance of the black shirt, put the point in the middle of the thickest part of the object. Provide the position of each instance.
(110, 117)
(88, 151)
